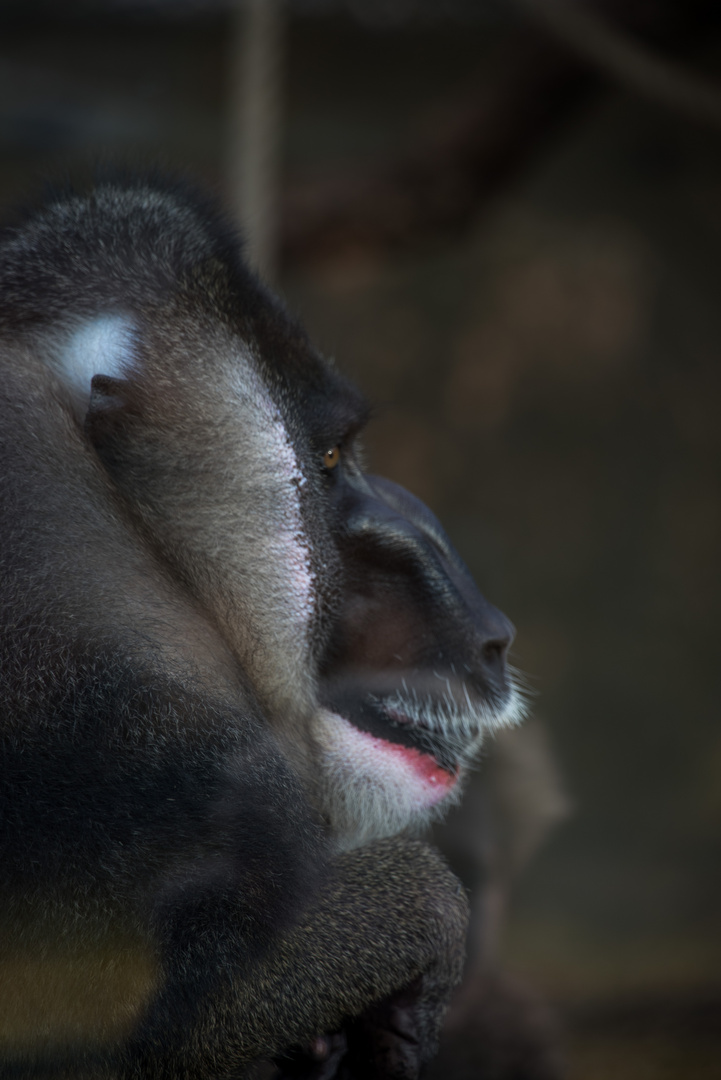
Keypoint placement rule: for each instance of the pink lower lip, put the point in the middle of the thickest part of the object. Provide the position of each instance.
(425, 765)
(422, 764)
(416, 776)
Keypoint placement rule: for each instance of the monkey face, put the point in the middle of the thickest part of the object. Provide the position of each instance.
(410, 659)
(413, 674)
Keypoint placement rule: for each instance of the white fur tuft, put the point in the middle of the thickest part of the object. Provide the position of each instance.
(373, 790)
(103, 345)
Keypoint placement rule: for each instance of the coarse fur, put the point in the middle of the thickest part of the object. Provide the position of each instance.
(235, 670)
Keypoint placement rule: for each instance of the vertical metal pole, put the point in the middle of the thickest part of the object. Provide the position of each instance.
(255, 128)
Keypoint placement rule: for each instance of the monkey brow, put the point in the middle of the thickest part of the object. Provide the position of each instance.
(341, 416)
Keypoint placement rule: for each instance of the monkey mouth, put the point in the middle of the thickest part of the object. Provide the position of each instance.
(377, 717)
(446, 728)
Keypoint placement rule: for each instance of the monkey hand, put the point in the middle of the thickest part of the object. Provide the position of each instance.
(322, 1059)
(424, 929)
(385, 1043)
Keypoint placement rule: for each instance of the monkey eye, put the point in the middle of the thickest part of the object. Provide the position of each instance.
(331, 457)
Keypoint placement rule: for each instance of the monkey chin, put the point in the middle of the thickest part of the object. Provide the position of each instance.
(378, 788)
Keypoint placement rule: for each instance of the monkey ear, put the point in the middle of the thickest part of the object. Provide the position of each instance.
(107, 393)
(109, 404)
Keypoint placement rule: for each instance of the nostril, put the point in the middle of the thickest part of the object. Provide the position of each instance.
(494, 652)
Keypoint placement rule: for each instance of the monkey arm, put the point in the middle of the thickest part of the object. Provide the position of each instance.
(391, 916)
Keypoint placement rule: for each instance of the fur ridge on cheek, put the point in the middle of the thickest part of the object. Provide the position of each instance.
(287, 543)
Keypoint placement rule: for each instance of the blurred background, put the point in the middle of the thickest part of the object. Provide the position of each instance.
(503, 219)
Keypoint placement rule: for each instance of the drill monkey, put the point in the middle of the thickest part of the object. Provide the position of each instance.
(236, 672)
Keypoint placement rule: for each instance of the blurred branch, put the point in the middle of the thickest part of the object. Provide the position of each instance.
(253, 167)
(469, 149)
(619, 56)
(491, 131)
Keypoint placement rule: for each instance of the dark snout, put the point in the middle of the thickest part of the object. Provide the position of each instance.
(399, 552)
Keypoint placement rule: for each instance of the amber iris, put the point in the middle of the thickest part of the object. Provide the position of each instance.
(331, 457)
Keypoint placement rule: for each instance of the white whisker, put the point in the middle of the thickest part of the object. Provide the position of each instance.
(461, 726)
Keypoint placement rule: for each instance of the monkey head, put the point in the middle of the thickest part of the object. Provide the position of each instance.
(233, 446)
